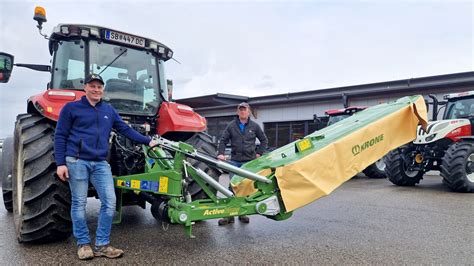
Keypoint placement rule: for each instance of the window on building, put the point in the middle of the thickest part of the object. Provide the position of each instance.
(215, 125)
(282, 133)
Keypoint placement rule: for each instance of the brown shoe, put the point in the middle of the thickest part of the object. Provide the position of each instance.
(244, 219)
(226, 221)
(107, 251)
(84, 252)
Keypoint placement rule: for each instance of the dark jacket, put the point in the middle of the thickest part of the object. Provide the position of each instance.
(243, 144)
(83, 131)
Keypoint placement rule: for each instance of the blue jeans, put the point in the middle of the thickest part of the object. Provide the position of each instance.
(99, 174)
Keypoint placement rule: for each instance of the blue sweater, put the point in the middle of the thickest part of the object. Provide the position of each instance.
(83, 131)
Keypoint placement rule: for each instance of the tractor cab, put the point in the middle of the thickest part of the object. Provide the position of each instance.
(131, 66)
(459, 105)
(336, 115)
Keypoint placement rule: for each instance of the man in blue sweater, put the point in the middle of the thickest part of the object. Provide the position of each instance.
(81, 145)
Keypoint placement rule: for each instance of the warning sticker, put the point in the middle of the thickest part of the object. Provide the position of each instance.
(135, 183)
(145, 185)
(120, 183)
(163, 184)
(154, 186)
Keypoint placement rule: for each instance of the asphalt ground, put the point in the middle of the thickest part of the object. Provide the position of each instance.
(365, 221)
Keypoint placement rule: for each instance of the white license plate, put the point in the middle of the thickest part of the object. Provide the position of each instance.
(124, 38)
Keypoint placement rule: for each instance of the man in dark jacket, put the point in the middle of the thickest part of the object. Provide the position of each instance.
(81, 145)
(242, 133)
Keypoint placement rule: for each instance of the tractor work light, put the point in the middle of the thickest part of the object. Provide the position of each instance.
(153, 45)
(65, 30)
(95, 32)
(85, 33)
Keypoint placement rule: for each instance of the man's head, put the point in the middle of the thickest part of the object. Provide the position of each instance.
(94, 87)
(243, 111)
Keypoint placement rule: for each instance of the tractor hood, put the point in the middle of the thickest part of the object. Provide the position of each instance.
(436, 130)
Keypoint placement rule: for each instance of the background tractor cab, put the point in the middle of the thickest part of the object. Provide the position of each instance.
(132, 68)
(336, 115)
(447, 146)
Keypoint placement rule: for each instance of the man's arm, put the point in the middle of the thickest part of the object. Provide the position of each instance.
(223, 142)
(60, 138)
(263, 141)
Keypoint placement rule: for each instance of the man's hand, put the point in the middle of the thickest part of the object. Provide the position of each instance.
(62, 172)
(221, 157)
(257, 155)
(153, 143)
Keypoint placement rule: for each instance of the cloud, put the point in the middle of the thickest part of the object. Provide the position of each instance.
(232, 47)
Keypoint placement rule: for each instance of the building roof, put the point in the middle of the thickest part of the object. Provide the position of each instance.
(407, 86)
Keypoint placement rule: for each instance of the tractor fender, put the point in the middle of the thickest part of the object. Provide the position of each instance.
(467, 138)
(50, 103)
(175, 117)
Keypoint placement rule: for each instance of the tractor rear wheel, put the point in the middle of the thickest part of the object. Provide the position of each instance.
(375, 170)
(396, 167)
(457, 167)
(6, 165)
(202, 142)
(41, 202)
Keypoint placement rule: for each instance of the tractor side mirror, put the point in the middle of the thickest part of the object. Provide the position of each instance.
(6, 67)
(169, 84)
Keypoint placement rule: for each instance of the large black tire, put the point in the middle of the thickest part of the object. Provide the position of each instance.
(396, 164)
(457, 167)
(6, 167)
(376, 170)
(41, 202)
(202, 142)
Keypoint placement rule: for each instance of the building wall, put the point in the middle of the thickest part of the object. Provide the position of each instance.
(305, 111)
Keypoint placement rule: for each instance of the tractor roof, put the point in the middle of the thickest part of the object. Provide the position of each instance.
(348, 110)
(459, 95)
(82, 31)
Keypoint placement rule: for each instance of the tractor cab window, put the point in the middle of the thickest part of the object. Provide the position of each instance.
(68, 71)
(336, 118)
(460, 108)
(130, 76)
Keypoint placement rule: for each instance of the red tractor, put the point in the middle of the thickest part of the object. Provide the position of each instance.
(446, 145)
(375, 170)
(133, 71)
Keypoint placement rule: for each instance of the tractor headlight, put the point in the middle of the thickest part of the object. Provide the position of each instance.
(431, 137)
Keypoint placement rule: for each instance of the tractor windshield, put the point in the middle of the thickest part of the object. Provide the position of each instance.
(131, 77)
(459, 108)
(134, 80)
(336, 118)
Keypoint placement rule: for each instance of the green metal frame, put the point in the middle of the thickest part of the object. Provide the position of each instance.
(164, 177)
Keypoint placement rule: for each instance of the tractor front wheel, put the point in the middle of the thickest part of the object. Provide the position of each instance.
(397, 164)
(6, 165)
(376, 170)
(457, 167)
(41, 202)
(202, 142)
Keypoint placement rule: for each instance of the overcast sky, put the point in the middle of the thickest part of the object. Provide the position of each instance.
(254, 49)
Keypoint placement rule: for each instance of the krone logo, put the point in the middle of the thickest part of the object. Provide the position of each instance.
(356, 149)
